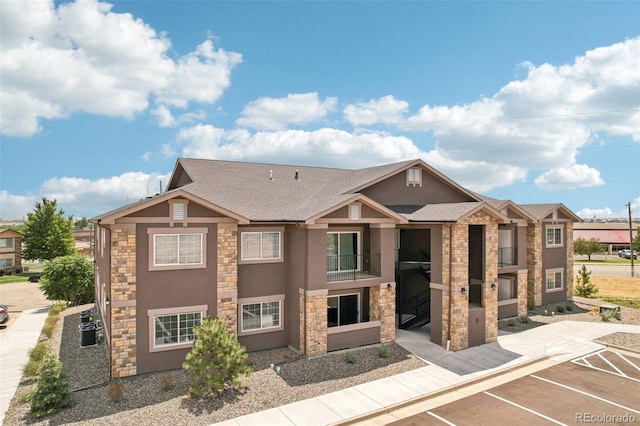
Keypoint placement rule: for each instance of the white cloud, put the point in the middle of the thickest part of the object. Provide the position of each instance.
(167, 151)
(332, 147)
(279, 113)
(387, 110)
(164, 116)
(81, 57)
(16, 206)
(607, 213)
(146, 156)
(542, 121)
(575, 176)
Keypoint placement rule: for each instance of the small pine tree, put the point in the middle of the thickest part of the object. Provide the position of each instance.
(216, 359)
(52, 393)
(584, 287)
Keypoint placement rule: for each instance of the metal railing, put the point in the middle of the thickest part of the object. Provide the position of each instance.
(507, 256)
(353, 267)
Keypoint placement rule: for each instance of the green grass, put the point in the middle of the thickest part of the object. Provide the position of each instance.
(17, 278)
(627, 302)
(612, 261)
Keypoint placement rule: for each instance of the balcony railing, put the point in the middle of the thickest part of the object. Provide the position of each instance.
(353, 267)
(507, 256)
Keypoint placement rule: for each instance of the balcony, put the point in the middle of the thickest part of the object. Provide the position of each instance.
(507, 256)
(353, 267)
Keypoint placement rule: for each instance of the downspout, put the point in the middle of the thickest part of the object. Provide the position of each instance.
(450, 285)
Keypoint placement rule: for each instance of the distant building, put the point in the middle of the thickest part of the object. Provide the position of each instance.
(10, 251)
(613, 236)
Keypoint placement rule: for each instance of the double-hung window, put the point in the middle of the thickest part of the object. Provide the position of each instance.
(177, 248)
(554, 236)
(261, 314)
(173, 328)
(261, 246)
(6, 263)
(554, 279)
(6, 242)
(507, 288)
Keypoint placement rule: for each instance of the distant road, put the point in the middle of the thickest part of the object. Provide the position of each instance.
(607, 270)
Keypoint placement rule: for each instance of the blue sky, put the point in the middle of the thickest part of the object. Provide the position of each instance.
(530, 101)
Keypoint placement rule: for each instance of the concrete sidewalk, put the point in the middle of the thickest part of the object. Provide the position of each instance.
(15, 343)
(559, 342)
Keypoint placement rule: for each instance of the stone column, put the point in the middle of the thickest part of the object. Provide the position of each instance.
(315, 312)
(522, 292)
(123, 301)
(382, 308)
(534, 264)
(489, 293)
(227, 275)
(459, 280)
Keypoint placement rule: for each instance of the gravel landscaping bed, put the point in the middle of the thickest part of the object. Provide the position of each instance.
(146, 402)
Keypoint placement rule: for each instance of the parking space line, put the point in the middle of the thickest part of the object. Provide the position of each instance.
(630, 363)
(612, 366)
(587, 364)
(522, 407)
(585, 393)
(442, 419)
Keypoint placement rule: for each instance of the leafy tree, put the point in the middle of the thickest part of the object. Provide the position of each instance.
(588, 247)
(81, 223)
(52, 393)
(636, 242)
(216, 360)
(48, 234)
(584, 287)
(68, 278)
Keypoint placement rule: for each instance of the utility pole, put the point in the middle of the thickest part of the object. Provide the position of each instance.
(631, 238)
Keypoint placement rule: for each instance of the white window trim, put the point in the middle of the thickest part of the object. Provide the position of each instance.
(546, 235)
(9, 243)
(261, 230)
(153, 313)
(152, 232)
(355, 211)
(358, 248)
(264, 299)
(546, 279)
(413, 181)
(173, 212)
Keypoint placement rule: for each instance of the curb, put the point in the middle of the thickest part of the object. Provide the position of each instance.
(448, 389)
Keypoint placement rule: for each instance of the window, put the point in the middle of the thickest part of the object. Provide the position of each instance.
(554, 236)
(176, 328)
(506, 249)
(6, 263)
(177, 248)
(414, 177)
(354, 211)
(507, 288)
(260, 245)
(260, 314)
(6, 242)
(554, 279)
(343, 309)
(342, 251)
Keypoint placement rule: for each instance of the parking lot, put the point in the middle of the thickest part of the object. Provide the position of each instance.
(602, 387)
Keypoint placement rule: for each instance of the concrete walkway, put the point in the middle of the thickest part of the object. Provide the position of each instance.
(559, 342)
(15, 343)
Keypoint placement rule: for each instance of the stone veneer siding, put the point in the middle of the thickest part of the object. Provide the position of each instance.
(123, 301)
(459, 279)
(522, 292)
(534, 262)
(446, 249)
(314, 336)
(382, 308)
(227, 273)
(569, 274)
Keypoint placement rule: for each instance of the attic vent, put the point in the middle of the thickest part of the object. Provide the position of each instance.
(414, 177)
(178, 211)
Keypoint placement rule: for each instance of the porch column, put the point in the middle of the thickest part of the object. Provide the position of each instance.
(313, 321)
(522, 292)
(459, 277)
(382, 308)
(490, 284)
(227, 274)
(534, 264)
(570, 278)
(123, 343)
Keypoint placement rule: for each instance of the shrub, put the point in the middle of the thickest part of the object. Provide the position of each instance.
(115, 391)
(569, 307)
(524, 319)
(216, 360)
(584, 287)
(48, 329)
(560, 308)
(52, 393)
(166, 381)
(512, 322)
(26, 396)
(350, 357)
(52, 320)
(383, 352)
(31, 369)
(57, 308)
(38, 352)
(69, 278)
